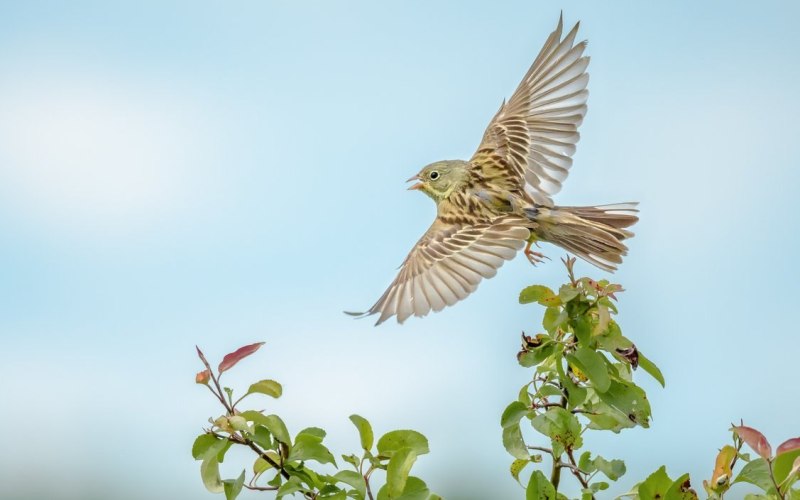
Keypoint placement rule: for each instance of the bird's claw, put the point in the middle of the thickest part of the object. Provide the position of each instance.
(535, 257)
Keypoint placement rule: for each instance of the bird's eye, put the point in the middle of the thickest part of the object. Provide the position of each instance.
(434, 175)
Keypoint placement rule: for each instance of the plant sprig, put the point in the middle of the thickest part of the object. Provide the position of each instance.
(583, 379)
(288, 459)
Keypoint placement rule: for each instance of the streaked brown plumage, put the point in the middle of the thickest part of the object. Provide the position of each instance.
(490, 206)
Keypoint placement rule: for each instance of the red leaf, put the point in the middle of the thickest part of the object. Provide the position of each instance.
(230, 360)
(754, 440)
(788, 445)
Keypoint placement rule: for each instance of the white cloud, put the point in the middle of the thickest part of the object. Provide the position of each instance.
(88, 152)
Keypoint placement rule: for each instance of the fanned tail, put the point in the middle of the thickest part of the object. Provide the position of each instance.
(595, 234)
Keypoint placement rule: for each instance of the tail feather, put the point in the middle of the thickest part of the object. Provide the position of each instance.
(594, 234)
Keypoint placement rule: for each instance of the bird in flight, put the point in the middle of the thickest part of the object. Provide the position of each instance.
(490, 207)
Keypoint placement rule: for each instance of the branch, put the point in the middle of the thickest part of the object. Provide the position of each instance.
(235, 438)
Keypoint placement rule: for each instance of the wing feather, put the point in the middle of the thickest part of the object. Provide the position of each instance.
(447, 264)
(529, 143)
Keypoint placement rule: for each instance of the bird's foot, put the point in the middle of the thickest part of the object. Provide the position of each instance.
(535, 257)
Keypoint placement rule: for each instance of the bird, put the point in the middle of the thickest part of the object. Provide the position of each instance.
(491, 206)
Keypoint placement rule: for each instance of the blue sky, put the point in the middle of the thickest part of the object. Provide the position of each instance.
(187, 173)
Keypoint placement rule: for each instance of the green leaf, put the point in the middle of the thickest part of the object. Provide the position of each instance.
(415, 489)
(393, 441)
(397, 471)
(233, 487)
(582, 326)
(783, 463)
(354, 479)
(364, 431)
(292, 485)
(681, 489)
(540, 294)
(613, 469)
(310, 447)
(261, 436)
(539, 488)
(268, 387)
(553, 318)
(276, 481)
(604, 417)
(567, 293)
(593, 364)
(209, 468)
(651, 368)
(585, 462)
(278, 429)
(755, 472)
(202, 444)
(260, 465)
(546, 390)
(630, 400)
(306, 475)
(575, 395)
(352, 460)
(313, 431)
(536, 355)
(237, 422)
(255, 417)
(603, 317)
(524, 395)
(333, 495)
(656, 485)
(517, 466)
(562, 427)
(512, 434)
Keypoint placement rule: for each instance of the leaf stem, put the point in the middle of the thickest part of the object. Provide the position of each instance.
(772, 476)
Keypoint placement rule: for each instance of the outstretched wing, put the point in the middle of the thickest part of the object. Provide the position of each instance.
(447, 264)
(529, 143)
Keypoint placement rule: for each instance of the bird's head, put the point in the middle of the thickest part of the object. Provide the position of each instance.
(439, 179)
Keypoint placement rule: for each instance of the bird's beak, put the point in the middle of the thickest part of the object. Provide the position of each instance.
(417, 185)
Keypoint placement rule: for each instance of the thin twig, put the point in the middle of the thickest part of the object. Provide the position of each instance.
(366, 480)
(260, 488)
(219, 397)
(772, 476)
(235, 438)
(738, 442)
(577, 472)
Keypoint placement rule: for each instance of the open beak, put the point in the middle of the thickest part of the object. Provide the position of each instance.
(417, 185)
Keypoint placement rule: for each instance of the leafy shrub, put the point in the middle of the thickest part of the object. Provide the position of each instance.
(583, 379)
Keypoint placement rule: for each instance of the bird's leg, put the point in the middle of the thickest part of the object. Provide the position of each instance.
(534, 257)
